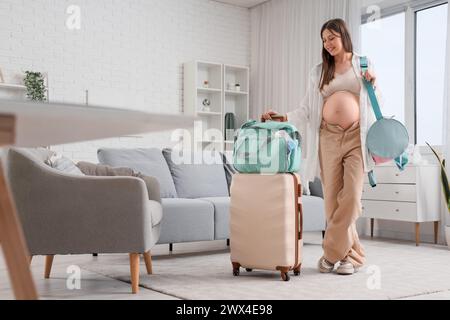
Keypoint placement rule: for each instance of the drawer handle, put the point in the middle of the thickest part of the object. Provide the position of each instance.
(396, 174)
(397, 192)
(397, 210)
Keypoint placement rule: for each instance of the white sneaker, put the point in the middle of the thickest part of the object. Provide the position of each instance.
(346, 268)
(325, 266)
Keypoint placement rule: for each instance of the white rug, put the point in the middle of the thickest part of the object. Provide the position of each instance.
(401, 270)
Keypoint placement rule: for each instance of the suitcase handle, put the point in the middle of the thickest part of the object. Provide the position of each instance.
(275, 117)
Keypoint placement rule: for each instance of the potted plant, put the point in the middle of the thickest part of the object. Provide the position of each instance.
(34, 82)
(446, 190)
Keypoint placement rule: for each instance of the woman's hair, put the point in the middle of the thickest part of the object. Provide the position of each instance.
(339, 28)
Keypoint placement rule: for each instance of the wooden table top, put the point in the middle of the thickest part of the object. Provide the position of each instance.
(43, 124)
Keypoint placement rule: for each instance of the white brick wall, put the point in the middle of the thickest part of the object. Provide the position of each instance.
(128, 53)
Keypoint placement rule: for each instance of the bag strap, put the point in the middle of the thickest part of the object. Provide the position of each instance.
(373, 98)
(375, 106)
(372, 180)
(401, 161)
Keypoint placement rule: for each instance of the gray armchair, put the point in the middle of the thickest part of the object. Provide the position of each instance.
(69, 214)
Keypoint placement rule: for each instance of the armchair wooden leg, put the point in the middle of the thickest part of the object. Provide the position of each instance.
(134, 271)
(48, 265)
(436, 231)
(148, 262)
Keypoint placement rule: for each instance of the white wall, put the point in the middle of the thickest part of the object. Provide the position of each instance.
(128, 53)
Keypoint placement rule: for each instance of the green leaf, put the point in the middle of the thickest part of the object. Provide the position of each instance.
(444, 178)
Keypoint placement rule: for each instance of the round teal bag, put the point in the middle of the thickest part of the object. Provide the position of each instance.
(387, 139)
(382, 131)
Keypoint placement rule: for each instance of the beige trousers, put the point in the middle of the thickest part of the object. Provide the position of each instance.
(342, 174)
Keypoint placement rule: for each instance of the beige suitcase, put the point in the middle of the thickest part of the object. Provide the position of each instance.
(266, 222)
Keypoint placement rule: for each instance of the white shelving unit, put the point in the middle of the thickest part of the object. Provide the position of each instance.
(18, 91)
(12, 91)
(196, 92)
(236, 101)
(12, 86)
(222, 95)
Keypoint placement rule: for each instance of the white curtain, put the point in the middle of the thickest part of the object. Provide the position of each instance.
(286, 44)
(446, 118)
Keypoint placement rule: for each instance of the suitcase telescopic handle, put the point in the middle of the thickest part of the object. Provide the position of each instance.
(300, 211)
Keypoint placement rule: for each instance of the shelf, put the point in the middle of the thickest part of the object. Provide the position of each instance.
(210, 141)
(236, 93)
(229, 142)
(12, 86)
(204, 113)
(208, 90)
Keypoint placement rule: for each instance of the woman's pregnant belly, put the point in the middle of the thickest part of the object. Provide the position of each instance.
(341, 108)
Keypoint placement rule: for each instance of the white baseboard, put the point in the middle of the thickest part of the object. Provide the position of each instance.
(407, 236)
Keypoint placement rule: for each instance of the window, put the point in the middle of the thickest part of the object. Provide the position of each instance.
(431, 35)
(383, 41)
(410, 43)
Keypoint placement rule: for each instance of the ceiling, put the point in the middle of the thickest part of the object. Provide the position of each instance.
(243, 3)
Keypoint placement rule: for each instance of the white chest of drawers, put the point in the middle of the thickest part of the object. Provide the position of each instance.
(412, 195)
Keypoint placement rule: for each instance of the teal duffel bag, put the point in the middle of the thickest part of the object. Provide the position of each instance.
(268, 147)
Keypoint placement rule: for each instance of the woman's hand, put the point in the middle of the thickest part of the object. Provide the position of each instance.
(273, 116)
(370, 76)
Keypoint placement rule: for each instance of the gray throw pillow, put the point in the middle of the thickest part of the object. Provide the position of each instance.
(315, 188)
(92, 169)
(64, 164)
(149, 162)
(41, 154)
(197, 180)
(229, 169)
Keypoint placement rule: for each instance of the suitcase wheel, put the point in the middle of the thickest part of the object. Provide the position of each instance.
(297, 270)
(248, 269)
(285, 276)
(236, 267)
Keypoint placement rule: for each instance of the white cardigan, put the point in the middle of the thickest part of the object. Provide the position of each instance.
(308, 117)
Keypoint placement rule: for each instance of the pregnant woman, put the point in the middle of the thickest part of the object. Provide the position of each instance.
(333, 120)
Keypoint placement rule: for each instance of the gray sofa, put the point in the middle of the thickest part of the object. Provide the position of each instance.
(195, 197)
